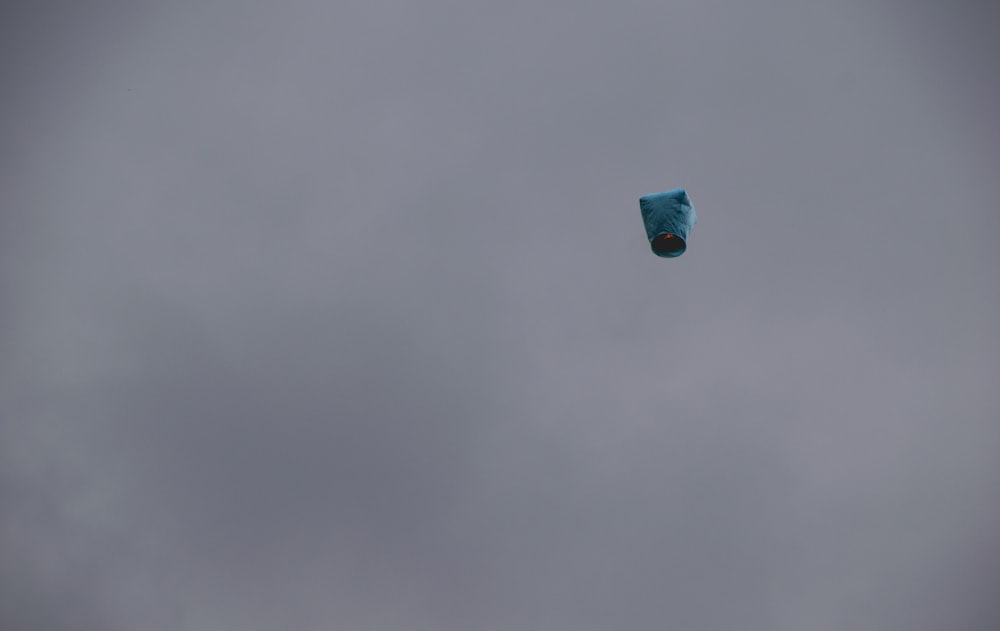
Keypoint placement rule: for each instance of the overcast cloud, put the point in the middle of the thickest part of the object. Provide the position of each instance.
(340, 315)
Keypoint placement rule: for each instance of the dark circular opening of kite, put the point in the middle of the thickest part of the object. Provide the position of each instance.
(668, 245)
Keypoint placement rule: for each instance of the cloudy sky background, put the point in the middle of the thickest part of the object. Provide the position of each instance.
(340, 315)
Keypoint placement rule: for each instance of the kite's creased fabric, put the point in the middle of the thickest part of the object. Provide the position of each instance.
(669, 213)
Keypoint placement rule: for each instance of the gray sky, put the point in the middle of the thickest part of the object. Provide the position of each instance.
(340, 315)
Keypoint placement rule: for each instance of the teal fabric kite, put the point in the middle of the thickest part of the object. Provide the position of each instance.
(669, 218)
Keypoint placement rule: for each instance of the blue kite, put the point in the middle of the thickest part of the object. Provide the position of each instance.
(669, 218)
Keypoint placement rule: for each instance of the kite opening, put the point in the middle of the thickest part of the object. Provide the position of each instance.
(668, 245)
